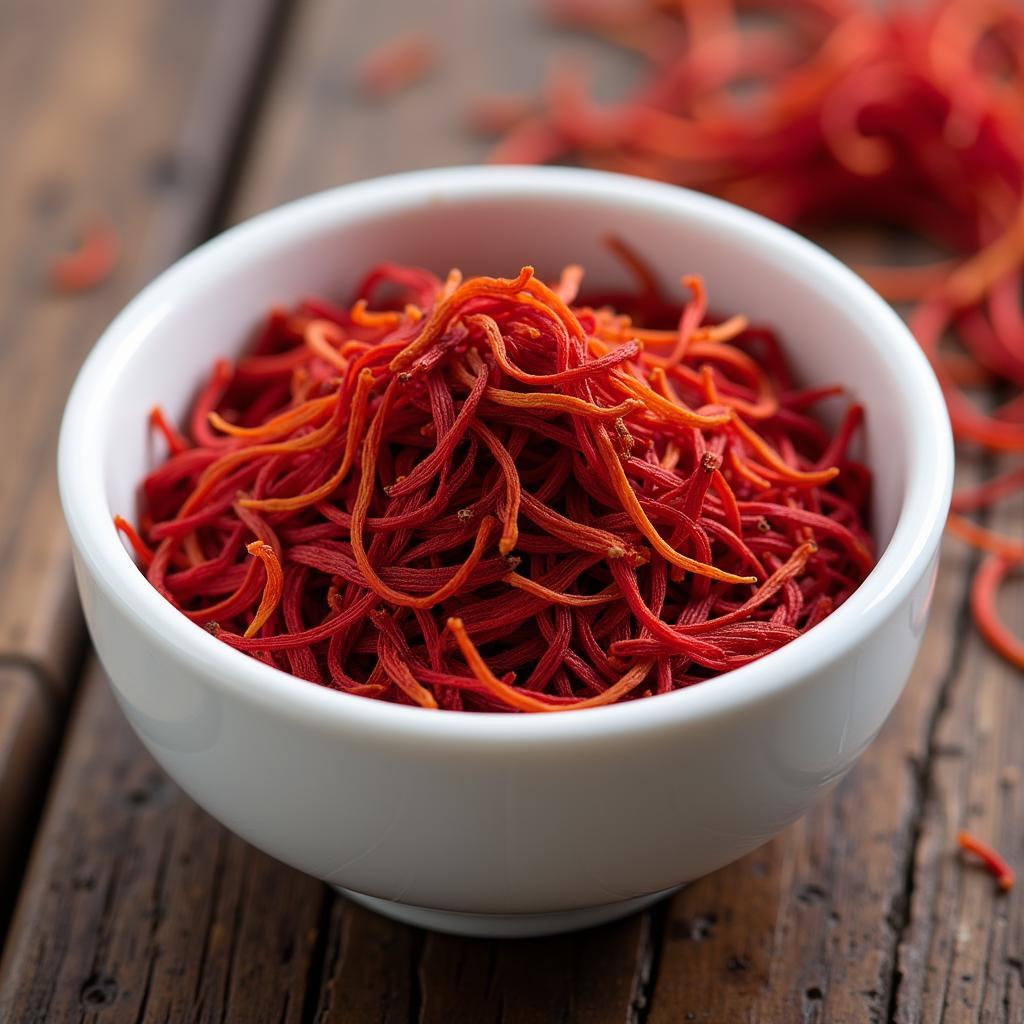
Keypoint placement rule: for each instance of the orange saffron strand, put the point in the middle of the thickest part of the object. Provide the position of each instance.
(318, 336)
(521, 699)
(812, 478)
(223, 466)
(356, 422)
(659, 405)
(984, 539)
(1004, 874)
(991, 491)
(274, 585)
(561, 403)
(624, 492)
(444, 310)
(285, 423)
(513, 579)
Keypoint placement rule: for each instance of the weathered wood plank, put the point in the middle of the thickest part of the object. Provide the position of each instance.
(590, 976)
(961, 957)
(28, 734)
(138, 906)
(111, 109)
(806, 928)
(319, 131)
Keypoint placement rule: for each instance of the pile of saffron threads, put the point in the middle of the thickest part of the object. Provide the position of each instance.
(481, 495)
(840, 111)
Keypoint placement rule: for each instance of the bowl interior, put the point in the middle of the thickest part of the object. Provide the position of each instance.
(213, 302)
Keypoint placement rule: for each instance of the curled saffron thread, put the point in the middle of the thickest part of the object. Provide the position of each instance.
(484, 452)
(632, 504)
(279, 425)
(1003, 873)
(990, 492)
(984, 592)
(357, 419)
(319, 335)
(521, 700)
(985, 539)
(90, 264)
(513, 579)
(272, 590)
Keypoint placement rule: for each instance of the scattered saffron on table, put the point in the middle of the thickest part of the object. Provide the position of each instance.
(397, 64)
(1004, 874)
(492, 494)
(90, 264)
(838, 111)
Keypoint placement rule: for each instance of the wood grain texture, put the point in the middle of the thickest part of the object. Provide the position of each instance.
(591, 976)
(111, 109)
(962, 953)
(318, 130)
(28, 734)
(138, 906)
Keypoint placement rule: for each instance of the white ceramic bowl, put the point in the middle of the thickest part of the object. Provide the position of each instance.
(497, 824)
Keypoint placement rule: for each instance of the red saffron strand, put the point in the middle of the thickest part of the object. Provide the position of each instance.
(142, 550)
(1003, 873)
(89, 265)
(984, 592)
(396, 64)
(176, 441)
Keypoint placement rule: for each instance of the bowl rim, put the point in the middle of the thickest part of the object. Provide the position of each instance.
(903, 562)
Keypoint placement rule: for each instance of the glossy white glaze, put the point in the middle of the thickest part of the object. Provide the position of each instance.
(499, 815)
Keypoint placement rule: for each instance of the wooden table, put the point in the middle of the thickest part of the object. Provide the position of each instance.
(119, 899)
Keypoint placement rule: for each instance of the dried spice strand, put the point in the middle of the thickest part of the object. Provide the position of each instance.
(176, 441)
(90, 264)
(984, 592)
(985, 539)
(1003, 873)
(273, 589)
(485, 497)
(396, 64)
(142, 550)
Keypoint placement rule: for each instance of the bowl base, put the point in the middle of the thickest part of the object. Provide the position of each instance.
(503, 926)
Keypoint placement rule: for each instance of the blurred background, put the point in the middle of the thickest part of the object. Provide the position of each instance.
(131, 130)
